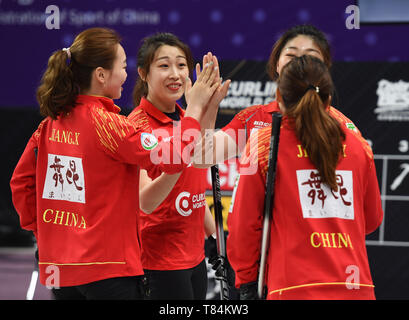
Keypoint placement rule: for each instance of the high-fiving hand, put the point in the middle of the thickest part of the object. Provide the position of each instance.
(208, 80)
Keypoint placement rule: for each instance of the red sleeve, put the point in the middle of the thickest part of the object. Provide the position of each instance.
(23, 186)
(245, 222)
(120, 138)
(372, 201)
(233, 127)
(236, 129)
(239, 122)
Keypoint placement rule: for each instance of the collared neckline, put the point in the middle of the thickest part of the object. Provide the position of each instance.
(108, 103)
(272, 107)
(156, 113)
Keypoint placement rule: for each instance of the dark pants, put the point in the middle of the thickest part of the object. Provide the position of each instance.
(122, 288)
(186, 284)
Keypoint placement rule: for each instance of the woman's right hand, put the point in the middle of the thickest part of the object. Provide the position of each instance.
(198, 95)
(209, 117)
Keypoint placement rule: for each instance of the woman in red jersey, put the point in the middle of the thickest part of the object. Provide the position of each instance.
(174, 221)
(229, 142)
(295, 42)
(75, 184)
(326, 198)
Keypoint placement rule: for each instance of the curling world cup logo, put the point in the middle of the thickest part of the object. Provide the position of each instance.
(182, 204)
(185, 202)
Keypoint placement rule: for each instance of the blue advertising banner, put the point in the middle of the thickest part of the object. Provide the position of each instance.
(31, 30)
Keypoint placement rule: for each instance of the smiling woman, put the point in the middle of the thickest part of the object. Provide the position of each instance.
(71, 71)
(295, 42)
(167, 77)
(176, 219)
(108, 82)
(147, 54)
(81, 167)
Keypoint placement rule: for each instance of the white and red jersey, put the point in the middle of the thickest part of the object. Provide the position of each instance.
(76, 187)
(173, 234)
(317, 242)
(257, 117)
(248, 120)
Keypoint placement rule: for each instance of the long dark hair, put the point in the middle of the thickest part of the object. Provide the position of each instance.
(69, 72)
(305, 86)
(307, 30)
(146, 54)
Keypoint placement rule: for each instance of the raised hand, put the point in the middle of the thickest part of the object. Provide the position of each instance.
(198, 95)
(209, 117)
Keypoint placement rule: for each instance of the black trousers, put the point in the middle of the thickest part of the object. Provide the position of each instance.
(122, 288)
(186, 284)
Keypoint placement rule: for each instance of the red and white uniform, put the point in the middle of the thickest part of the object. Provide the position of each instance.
(317, 243)
(173, 234)
(257, 117)
(248, 120)
(76, 187)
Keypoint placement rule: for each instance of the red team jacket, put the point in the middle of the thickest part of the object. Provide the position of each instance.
(76, 187)
(317, 243)
(248, 120)
(173, 234)
(259, 116)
